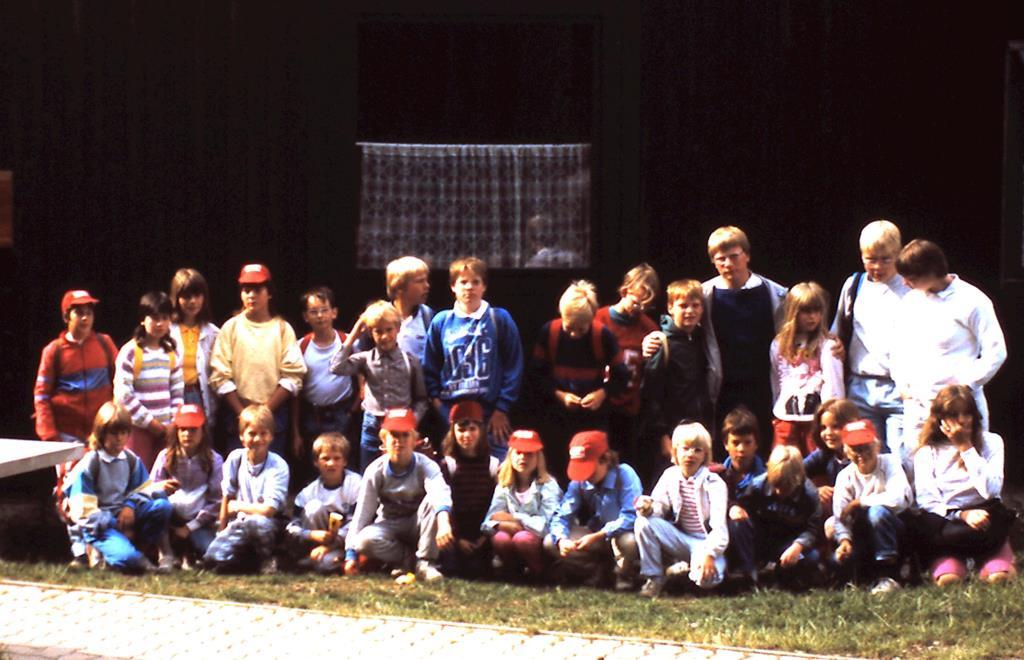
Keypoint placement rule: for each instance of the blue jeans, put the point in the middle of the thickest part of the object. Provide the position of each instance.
(151, 519)
(749, 545)
(878, 401)
(369, 440)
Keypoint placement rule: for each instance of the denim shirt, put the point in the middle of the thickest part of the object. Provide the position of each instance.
(609, 503)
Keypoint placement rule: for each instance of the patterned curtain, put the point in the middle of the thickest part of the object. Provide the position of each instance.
(515, 206)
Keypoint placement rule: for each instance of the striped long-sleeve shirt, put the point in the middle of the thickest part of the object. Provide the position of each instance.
(156, 391)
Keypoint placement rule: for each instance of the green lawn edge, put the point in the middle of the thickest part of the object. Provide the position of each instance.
(970, 621)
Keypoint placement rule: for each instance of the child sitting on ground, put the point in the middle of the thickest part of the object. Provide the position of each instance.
(804, 368)
(823, 465)
(403, 514)
(255, 488)
(783, 519)
(682, 523)
(394, 378)
(870, 494)
(524, 501)
(111, 501)
(958, 475)
(324, 508)
(470, 471)
(593, 529)
(190, 460)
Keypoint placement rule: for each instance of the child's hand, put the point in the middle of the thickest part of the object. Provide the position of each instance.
(322, 536)
(791, 556)
(445, 537)
(298, 445)
(849, 511)
(157, 428)
(844, 551)
(181, 532)
(351, 567)
(976, 518)
(644, 505)
(566, 547)
(359, 328)
(502, 516)
(126, 519)
(499, 427)
(510, 526)
(169, 487)
(317, 553)
(737, 513)
(652, 342)
(825, 496)
(594, 400)
(708, 572)
(589, 540)
(957, 433)
(568, 399)
(838, 350)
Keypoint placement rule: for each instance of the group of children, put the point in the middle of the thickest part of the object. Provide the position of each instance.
(199, 434)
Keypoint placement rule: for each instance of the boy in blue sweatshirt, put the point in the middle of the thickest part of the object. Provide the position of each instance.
(473, 351)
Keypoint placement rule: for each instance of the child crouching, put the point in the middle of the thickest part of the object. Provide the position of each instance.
(683, 520)
(323, 509)
(111, 500)
(255, 486)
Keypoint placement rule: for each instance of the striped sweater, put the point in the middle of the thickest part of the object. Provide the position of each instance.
(157, 391)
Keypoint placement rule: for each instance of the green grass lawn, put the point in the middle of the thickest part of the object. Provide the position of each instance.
(971, 621)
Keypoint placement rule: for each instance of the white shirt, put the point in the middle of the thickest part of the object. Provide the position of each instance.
(944, 338)
(875, 314)
(322, 388)
(942, 485)
(887, 486)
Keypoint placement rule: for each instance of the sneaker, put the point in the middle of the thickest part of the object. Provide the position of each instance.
(948, 579)
(427, 572)
(652, 588)
(95, 557)
(268, 566)
(623, 583)
(678, 569)
(166, 564)
(190, 564)
(885, 585)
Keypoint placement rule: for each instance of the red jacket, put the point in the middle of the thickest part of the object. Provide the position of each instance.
(74, 380)
(630, 338)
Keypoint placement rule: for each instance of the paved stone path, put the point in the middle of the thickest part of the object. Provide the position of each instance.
(48, 621)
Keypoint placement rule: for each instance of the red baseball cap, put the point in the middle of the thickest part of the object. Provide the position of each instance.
(525, 441)
(860, 432)
(467, 409)
(399, 419)
(76, 297)
(189, 416)
(254, 274)
(586, 448)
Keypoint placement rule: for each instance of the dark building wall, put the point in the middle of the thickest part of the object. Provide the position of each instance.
(144, 137)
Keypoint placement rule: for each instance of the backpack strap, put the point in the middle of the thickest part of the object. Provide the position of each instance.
(554, 330)
(107, 344)
(596, 339)
(304, 343)
(94, 466)
(172, 358)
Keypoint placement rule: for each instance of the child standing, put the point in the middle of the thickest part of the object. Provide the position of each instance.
(628, 321)
(473, 351)
(148, 380)
(524, 501)
(958, 475)
(678, 379)
(326, 399)
(408, 285)
(194, 336)
(783, 519)
(948, 334)
(256, 360)
(593, 529)
(190, 461)
(470, 471)
(866, 322)
(682, 523)
(111, 499)
(804, 369)
(394, 378)
(324, 508)
(255, 488)
(869, 496)
(403, 515)
(570, 359)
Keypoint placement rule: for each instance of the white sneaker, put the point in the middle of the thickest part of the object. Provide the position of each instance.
(167, 564)
(427, 572)
(269, 566)
(652, 588)
(885, 585)
(678, 569)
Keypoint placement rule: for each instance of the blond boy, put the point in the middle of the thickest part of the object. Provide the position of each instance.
(408, 284)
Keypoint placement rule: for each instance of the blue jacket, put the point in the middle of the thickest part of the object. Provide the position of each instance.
(479, 358)
(609, 503)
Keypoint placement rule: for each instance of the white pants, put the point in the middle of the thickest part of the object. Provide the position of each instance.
(660, 539)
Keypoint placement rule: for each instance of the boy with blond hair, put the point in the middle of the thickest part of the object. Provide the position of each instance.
(783, 519)
(569, 362)
(394, 377)
(865, 321)
(255, 490)
(628, 321)
(473, 351)
(679, 376)
(408, 285)
(324, 508)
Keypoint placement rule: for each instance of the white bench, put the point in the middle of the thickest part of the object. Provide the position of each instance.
(17, 456)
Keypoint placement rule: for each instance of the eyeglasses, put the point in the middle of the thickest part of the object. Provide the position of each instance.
(319, 311)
